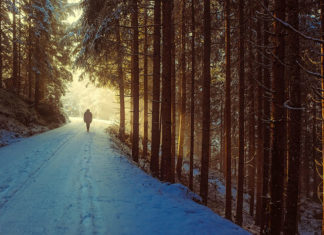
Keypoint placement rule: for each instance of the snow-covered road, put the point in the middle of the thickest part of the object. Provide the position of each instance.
(68, 181)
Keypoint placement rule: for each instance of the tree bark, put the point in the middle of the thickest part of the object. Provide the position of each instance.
(30, 51)
(251, 150)
(192, 100)
(173, 100)
(259, 153)
(228, 203)
(156, 90)
(14, 50)
(205, 153)
(314, 152)
(322, 84)
(183, 90)
(37, 73)
(19, 78)
(145, 136)
(295, 118)
(279, 125)
(135, 82)
(166, 90)
(266, 128)
(121, 84)
(240, 176)
(1, 63)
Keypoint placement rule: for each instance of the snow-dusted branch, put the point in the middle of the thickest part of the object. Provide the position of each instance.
(285, 24)
(309, 72)
(287, 106)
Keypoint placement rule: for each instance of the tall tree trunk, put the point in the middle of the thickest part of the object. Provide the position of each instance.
(145, 136)
(251, 151)
(295, 118)
(156, 90)
(192, 100)
(305, 154)
(314, 152)
(205, 153)
(14, 49)
(322, 74)
(173, 99)
(279, 125)
(1, 64)
(19, 81)
(183, 90)
(121, 84)
(228, 203)
(222, 160)
(37, 73)
(166, 90)
(266, 128)
(131, 111)
(259, 154)
(240, 176)
(30, 52)
(135, 82)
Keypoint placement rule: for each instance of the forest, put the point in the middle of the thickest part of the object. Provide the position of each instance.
(226, 91)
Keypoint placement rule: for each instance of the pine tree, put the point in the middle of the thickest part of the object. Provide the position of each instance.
(251, 166)
(135, 81)
(121, 83)
(279, 126)
(1, 51)
(166, 90)
(173, 99)
(259, 154)
(192, 99)
(240, 176)
(183, 90)
(295, 120)
(266, 126)
(205, 153)
(228, 157)
(145, 126)
(322, 93)
(156, 90)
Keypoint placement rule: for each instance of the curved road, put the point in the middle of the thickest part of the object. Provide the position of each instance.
(68, 181)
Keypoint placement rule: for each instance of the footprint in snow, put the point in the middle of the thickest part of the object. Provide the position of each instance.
(3, 188)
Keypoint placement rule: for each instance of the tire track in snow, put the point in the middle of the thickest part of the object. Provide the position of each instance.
(86, 196)
(5, 199)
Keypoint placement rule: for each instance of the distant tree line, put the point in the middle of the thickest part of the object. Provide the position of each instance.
(234, 86)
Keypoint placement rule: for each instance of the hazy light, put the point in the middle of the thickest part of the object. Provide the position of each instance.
(77, 13)
(82, 95)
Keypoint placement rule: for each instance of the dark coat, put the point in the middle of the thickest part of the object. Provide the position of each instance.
(87, 117)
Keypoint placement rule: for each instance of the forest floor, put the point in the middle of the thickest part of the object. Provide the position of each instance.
(18, 118)
(68, 181)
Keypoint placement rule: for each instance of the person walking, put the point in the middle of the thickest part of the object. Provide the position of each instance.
(87, 118)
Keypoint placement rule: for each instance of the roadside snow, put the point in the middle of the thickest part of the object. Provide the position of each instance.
(8, 137)
(68, 181)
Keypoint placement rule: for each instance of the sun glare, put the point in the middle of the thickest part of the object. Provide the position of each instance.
(77, 13)
(82, 95)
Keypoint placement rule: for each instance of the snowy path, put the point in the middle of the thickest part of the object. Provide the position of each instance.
(67, 181)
